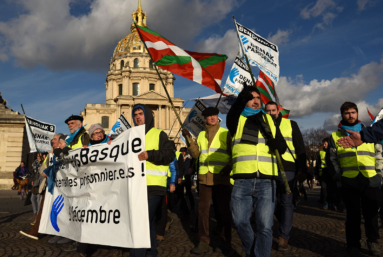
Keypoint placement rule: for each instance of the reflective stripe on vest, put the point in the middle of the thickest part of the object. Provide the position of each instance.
(323, 164)
(216, 157)
(355, 160)
(249, 158)
(156, 175)
(287, 133)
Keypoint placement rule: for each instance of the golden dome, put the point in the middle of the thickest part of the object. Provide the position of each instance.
(132, 42)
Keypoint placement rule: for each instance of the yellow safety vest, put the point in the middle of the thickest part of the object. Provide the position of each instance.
(323, 164)
(156, 175)
(79, 142)
(357, 159)
(287, 133)
(250, 158)
(213, 159)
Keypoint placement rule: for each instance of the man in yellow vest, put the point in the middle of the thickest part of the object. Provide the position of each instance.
(355, 169)
(321, 173)
(213, 148)
(159, 153)
(78, 136)
(294, 162)
(254, 170)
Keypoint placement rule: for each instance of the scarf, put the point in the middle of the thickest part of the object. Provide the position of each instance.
(96, 142)
(70, 138)
(357, 126)
(250, 111)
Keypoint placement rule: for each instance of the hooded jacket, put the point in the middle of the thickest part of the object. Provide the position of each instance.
(164, 156)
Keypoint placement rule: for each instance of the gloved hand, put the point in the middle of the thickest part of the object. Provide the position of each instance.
(66, 150)
(278, 143)
(245, 95)
(185, 132)
(57, 152)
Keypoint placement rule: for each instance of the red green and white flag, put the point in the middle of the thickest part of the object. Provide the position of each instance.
(267, 89)
(204, 68)
(372, 117)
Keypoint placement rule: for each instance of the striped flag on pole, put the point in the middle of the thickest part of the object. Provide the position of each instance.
(204, 68)
(267, 89)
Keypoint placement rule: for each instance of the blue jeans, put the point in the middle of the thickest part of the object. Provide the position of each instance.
(285, 208)
(257, 194)
(153, 202)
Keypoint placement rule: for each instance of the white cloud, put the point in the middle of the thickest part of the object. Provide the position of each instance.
(47, 34)
(282, 36)
(327, 95)
(331, 123)
(228, 44)
(320, 7)
(363, 4)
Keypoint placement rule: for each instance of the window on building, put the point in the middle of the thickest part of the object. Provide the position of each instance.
(105, 121)
(151, 87)
(136, 63)
(136, 88)
(120, 89)
(122, 64)
(151, 64)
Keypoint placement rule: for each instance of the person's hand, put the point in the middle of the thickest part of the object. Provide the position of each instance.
(109, 142)
(45, 175)
(190, 171)
(32, 183)
(179, 180)
(85, 146)
(185, 133)
(226, 170)
(172, 188)
(353, 140)
(143, 156)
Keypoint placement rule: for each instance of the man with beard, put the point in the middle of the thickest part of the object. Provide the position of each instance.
(294, 162)
(355, 169)
(78, 136)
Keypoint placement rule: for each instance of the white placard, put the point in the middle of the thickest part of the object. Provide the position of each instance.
(43, 134)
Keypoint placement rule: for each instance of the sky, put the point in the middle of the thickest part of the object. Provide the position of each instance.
(54, 54)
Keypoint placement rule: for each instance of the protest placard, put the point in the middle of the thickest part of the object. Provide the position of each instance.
(42, 134)
(100, 195)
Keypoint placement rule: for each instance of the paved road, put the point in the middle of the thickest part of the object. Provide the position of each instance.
(315, 232)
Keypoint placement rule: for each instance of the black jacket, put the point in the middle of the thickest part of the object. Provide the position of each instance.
(300, 164)
(164, 156)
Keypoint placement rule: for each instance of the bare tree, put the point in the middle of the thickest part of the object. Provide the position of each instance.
(313, 141)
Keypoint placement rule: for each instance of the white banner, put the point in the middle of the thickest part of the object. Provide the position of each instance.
(43, 134)
(120, 126)
(100, 197)
(224, 104)
(238, 75)
(261, 52)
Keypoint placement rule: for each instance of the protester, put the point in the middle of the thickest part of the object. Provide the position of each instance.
(254, 170)
(37, 179)
(159, 153)
(22, 174)
(187, 179)
(294, 162)
(310, 176)
(33, 232)
(355, 169)
(78, 136)
(213, 148)
(322, 174)
(372, 134)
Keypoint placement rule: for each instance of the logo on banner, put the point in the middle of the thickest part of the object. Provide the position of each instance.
(233, 73)
(244, 42)
(192, 115)
(57, 206)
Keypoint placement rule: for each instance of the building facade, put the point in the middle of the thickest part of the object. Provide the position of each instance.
(132, 79)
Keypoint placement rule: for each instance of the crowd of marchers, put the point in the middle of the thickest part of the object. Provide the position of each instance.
(250, 171)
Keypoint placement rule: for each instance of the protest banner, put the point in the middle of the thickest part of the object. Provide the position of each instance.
(224, 104)
(239, 74)
(262, 53)
(120, 126)
(100, 195)
(42, 134)
(195, 122)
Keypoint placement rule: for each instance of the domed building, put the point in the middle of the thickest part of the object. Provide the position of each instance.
(131, 80)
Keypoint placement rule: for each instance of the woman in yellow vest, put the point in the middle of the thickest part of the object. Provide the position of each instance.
(254, 170)
(159, 153)
(213, 148)
(355, 170)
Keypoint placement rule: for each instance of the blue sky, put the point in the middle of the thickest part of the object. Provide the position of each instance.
(54, 54)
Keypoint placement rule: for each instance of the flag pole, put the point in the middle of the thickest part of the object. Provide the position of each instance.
(219, 99)
(279, 159)
(163, 84)
(176, 120)
(33, 136)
